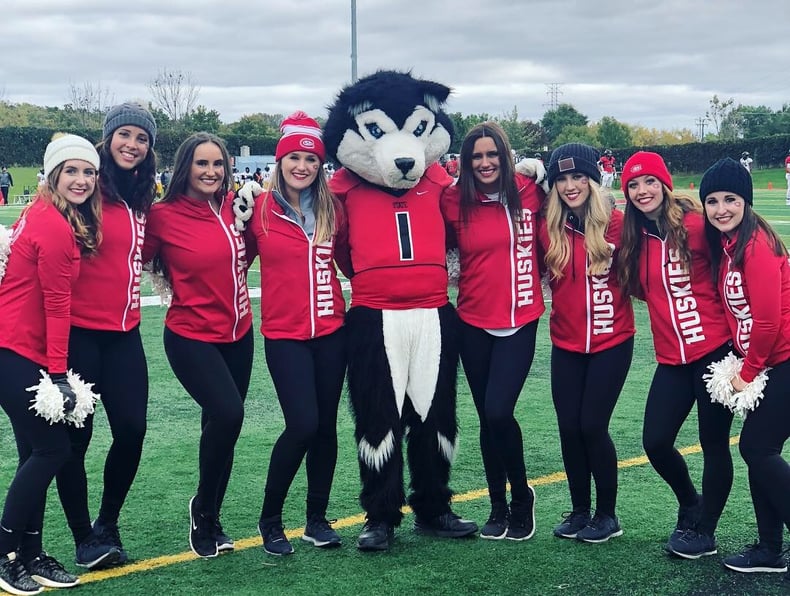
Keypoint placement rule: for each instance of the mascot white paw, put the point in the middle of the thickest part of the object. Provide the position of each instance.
(243, 202)
(534, 168)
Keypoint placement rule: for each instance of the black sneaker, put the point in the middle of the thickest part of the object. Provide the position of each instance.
(201, 533)
(691, 545)
(601, 528)
(274, 539)
(496, 526)
(15, 579)
(224, 542)
(108, 533)
(447, 525)
(376, 536)
(688, 518)
(93, 553)
(522, 519)
(48, 572)
(756, 558)
(319, 532)
(572, 522)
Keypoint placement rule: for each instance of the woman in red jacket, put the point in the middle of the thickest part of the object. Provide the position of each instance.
(61, 223)
(751, 265)
(208, 336)
(665, 261)
(105, 344)
(592, 334)
(293, 229)
(492, 216)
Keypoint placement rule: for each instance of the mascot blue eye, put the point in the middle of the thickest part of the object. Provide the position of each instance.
(374, 130)
(421, 128)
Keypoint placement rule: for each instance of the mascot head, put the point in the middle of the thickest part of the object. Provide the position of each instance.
(388, 128)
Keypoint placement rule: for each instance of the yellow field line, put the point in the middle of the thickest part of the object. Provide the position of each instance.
(353, 520)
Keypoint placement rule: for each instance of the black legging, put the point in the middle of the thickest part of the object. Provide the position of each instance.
(217, 376)
(585, 389)
(672, 395)
(43, 448)
(763, 435)
(496, 368)
(115, 362)
(308, 377)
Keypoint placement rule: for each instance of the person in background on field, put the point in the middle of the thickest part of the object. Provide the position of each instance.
(302, 309)
(60, 224)
(492, 216)
(193, 241)
(746, 161)
(665, 261)
(257, 177)
(787, 177)
(6, 182)
(452, 166)
(105, 344)
(607, 166)
(592, 333)
(750, 264)
(42, 179)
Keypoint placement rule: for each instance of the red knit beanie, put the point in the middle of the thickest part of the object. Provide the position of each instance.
(300, 133)
(645, 163)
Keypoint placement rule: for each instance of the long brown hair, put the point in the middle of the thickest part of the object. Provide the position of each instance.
(183, 165)
(137, 187)
(671, 213)
(84, 219)
(508, 191)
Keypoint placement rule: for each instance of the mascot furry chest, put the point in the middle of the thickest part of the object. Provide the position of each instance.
(388, 131)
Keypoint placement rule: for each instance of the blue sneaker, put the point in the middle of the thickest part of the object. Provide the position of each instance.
(108, 533)
(274, 539)
(692, 544)
(93, 553)
(572, 522)
(601, 528)
(757, 558)
(318, 531)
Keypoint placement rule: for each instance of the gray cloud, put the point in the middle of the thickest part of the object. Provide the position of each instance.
(643, 62)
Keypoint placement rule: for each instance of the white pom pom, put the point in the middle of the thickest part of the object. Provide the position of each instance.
(86, 399)
(453, 267)
(161, 286)
(719, 384)
(5, 249)
(48, 402)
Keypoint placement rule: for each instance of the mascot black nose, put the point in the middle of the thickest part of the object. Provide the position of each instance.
(404, 164)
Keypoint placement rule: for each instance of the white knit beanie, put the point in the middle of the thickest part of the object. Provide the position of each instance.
(65, 147)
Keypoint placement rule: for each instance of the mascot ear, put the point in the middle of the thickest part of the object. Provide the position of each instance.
(435, 94)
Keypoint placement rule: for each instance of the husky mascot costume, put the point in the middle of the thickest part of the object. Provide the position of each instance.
(388, 131)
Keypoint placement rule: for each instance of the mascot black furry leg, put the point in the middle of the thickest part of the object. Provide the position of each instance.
(388, 131)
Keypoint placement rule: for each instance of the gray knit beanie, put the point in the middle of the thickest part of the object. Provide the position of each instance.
(129, 114)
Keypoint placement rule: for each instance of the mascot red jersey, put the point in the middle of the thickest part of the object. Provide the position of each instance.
(388, 131)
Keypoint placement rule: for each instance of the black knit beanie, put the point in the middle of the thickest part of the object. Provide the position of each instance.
(129, 114)
(727, 175)
(574, 157)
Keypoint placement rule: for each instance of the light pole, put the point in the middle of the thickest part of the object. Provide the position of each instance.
(353, 41)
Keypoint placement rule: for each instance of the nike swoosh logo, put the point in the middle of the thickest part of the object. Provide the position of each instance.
(422, 192)
(194, 525)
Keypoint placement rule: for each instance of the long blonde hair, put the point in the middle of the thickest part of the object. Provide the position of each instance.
(84, 219)
(597, 213)
(323, 204)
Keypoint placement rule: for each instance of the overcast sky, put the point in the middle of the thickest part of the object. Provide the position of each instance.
(654, 63)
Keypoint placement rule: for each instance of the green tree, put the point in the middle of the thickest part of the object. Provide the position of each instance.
(556, 120)
(718, 112)
(202, 119)
(612, 133)
(577, 134)
(256, 125)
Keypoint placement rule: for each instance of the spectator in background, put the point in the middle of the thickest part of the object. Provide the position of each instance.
(42, 180)
(452, 166)
(258, 176)
(165, 179)
(787, 177)
(6, 182)
(746, 161)
(607, 167)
